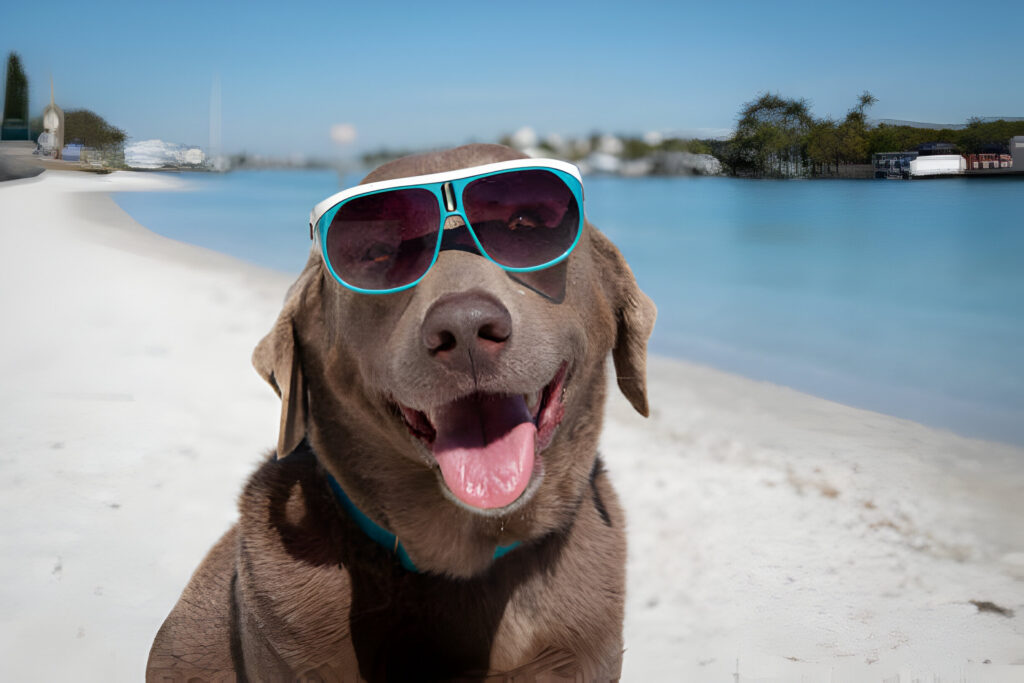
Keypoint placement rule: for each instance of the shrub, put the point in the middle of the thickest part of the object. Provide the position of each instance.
(89, 128)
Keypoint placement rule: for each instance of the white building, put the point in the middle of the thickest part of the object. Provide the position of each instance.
(153, 154)
(938, 164)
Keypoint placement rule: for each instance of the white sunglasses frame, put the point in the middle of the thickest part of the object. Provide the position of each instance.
(325, 206)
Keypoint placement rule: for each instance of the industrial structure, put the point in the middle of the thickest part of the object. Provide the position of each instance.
(941, 159)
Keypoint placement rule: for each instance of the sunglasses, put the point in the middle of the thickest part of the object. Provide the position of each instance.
(383, 237)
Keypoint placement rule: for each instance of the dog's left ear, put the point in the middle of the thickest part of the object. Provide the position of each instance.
(278, 359)
(634, 319)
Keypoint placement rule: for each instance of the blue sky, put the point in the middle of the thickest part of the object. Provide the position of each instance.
(414, 75)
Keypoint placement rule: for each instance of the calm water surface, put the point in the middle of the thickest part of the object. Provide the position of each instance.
(901, 297)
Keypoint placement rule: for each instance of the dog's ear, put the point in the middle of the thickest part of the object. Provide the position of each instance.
(634, 320)
(278, 359)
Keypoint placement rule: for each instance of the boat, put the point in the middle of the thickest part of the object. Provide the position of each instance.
(893, 165)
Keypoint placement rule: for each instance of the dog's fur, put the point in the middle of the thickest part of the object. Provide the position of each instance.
(296, 590)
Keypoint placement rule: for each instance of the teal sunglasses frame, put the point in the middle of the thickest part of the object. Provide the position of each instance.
(323, 213)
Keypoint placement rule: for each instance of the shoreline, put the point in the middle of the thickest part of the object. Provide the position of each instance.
(939, 384)
(771, 532)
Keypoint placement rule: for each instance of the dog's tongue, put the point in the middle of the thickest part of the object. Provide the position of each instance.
(485, 445)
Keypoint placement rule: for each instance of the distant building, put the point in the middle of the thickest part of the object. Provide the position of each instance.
(1017, 151)
(937, 159)
(155, 154)
(524, 137)
(685, 163)
(937, 164)
(609, 144)
(193, 156)
(929, 159)
(601, 162)
(51, 140)
(937, 148)
(892, 164)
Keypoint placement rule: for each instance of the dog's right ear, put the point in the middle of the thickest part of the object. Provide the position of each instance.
(278, 359)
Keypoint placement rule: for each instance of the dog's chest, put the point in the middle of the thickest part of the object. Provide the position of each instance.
(407, 627)
(434, 624)
(342, 605)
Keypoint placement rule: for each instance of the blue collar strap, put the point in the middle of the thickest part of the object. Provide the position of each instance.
(382, 536)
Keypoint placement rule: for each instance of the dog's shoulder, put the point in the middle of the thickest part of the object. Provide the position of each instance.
(293, 589)
(288, 517)
(195, 642)
(287, 542)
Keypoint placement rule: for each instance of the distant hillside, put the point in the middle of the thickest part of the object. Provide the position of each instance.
(941, 126)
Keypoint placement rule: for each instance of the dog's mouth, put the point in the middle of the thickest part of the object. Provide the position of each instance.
(488, 445)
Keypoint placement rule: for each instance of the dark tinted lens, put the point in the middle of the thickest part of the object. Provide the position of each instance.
(522, 218)
(384, 240)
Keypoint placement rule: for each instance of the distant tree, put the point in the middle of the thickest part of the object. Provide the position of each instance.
(717, 148)
(771, 136)
(91, 130)
(687, 145)
(884, 138)
(853, 132)
(824, 145)
(865, 101)
(16, 94)
(976, 135)
(635, 148)
(698, 146)
(980, 136)
(852, 137)
(831, 143)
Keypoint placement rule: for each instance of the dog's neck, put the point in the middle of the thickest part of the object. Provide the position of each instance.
(382, 536)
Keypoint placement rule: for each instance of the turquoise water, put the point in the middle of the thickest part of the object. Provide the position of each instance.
(901, 297)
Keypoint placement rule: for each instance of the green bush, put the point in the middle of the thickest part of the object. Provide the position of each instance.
(89, 128)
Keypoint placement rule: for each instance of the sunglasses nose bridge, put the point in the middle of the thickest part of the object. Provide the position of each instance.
(448, 200)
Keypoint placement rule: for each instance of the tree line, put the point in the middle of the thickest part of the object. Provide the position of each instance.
(779, 137)
(80, 125)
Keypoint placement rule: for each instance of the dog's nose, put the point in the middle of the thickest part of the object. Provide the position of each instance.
(466, 329)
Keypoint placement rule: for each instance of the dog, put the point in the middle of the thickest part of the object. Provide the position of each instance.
(309, 585)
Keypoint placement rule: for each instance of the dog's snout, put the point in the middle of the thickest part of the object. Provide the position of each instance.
(460, 329)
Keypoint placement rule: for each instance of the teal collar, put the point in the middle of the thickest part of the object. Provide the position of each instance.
(382, 536)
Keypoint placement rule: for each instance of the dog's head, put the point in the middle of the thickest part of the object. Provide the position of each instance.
(462, 413)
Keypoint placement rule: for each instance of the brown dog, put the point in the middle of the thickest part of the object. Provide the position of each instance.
(298, 589)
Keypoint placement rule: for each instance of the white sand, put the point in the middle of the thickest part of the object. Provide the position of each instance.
(772, 534)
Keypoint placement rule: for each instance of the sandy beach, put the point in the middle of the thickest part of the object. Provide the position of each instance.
(774, 536)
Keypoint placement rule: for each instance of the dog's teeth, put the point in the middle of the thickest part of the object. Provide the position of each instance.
(532, 401)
